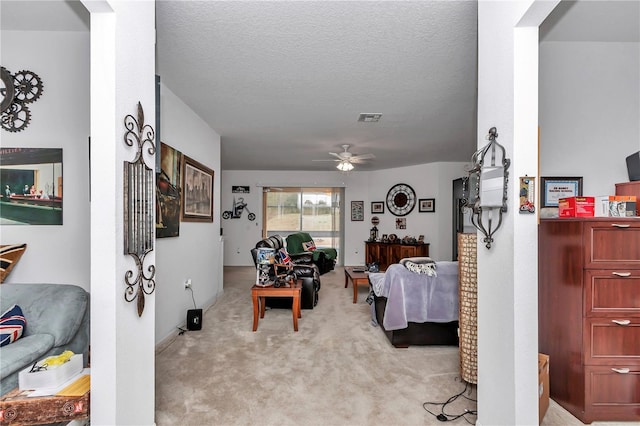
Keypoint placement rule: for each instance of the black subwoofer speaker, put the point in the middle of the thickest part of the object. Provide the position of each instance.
(194, 319)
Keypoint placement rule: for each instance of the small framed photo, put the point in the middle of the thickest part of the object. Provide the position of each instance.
(421, 239)
(357, 210)
(554, 188)
(377, 207)
(427, 205)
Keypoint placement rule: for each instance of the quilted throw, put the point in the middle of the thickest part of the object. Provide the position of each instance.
(413, 297)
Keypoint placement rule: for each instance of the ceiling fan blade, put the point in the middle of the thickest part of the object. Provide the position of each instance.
(328, 159)
(335, 154)
(362, 157)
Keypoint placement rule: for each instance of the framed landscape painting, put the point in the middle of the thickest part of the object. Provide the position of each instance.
(197, 191)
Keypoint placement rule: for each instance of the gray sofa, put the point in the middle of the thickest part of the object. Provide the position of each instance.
(57, 317)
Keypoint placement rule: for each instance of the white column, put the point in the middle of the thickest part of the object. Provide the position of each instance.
(122, 344)
(507, 273)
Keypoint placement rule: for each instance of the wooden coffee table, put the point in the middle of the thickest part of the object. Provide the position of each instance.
(258, 295)
(357, 278)
(19, 409)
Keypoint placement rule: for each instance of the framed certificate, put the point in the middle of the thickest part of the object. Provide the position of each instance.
(554, 188)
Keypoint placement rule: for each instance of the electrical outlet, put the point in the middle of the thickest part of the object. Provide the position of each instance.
(187, 284)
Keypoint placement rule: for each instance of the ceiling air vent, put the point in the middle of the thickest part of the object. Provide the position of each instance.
(369, 118)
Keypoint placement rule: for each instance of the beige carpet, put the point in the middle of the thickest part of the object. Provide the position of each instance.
(336, 370)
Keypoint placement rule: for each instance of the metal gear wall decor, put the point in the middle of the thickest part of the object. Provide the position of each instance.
(16, 91)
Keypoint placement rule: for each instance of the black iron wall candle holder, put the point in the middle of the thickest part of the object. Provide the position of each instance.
(139, 226)
(485, 189)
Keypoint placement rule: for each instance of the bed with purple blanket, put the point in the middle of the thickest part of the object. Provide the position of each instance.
(417, 308)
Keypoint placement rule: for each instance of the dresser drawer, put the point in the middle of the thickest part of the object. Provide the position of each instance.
(612, 341)
(612, 244)
(612, 292)
(612, 395)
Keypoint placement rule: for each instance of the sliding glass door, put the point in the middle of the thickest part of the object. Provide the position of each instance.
(313, 210)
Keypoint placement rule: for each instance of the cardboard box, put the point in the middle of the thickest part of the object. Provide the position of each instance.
(630, 188)
(543, 386)
(576, 207)
(601, 206)
(622, 205)
(52, 377)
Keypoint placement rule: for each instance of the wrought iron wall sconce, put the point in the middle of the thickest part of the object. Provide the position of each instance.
(485, 189)
(139, 225)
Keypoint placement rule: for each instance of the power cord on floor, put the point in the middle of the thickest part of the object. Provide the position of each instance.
(444, 417)
(193, 298)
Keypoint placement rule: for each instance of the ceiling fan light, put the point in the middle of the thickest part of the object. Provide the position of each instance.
(345, 166)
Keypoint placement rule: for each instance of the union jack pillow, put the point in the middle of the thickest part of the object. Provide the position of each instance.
(12, 324)
(309, 246)
(285, 259)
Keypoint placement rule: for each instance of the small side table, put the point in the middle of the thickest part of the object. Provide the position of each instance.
(357, 278)
(18, 409)
(258, 295)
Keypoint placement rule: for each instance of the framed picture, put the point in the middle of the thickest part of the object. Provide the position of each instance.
(168, 199)
(357, 210)
(240, 189)
(421, 239)
(377, 207)
(554, 188)
(31, 180)
(427, 205)
(197, 191)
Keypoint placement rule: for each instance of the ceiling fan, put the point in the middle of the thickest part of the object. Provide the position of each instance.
(347, 159)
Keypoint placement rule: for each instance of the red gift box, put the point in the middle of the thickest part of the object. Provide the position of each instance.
(576, 207)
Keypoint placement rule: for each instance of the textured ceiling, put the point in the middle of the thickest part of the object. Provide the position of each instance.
(283, 82)
(589, 20)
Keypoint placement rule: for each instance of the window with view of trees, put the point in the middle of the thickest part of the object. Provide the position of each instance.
(312, 210)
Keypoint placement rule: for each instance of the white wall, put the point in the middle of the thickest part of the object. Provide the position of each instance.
(590, 104)
(196, 253)
(433, 180)
(59, 119)
(428, 180)
(241, 235)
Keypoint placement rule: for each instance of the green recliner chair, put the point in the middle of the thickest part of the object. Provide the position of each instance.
(324, 258)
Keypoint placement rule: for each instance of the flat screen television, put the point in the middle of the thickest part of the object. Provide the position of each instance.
(633, 166)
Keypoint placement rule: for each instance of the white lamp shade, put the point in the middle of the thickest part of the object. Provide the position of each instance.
(345, 166)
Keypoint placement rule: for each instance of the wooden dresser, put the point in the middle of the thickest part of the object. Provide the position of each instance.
(589, 315)
(389, 253)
